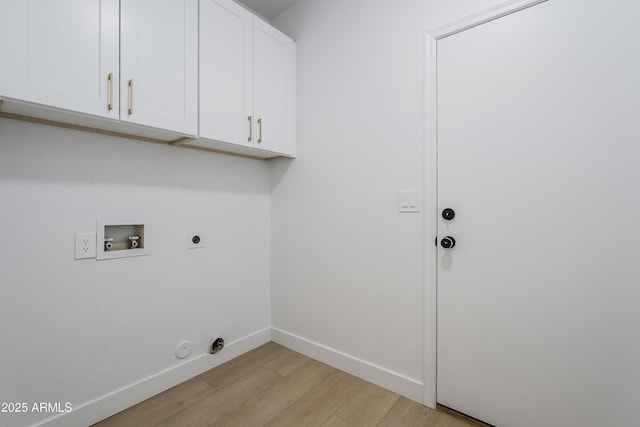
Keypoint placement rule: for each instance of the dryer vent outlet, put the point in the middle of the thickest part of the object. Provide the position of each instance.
(215, 345)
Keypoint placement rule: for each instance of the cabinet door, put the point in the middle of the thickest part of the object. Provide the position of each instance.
(274, 89)
(159, 64)
(226, 70)
(60, 53)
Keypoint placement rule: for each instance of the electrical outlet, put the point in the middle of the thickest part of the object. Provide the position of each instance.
(85, 245)
(195, 240)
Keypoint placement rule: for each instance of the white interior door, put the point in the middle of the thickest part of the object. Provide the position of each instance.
(539, 156)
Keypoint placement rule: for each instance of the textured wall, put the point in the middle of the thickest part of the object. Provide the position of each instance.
(72, 330)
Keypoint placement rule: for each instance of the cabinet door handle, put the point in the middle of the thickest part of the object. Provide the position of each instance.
(250, 118)
(130, 96)
(110, 80)
(260, 131)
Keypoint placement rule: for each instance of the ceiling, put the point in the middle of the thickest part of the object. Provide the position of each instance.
(268, 9)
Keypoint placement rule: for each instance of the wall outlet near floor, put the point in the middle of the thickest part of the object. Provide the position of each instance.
(85, 245)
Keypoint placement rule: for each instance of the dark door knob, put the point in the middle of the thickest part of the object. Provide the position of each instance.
(448, 242)
(448, 214)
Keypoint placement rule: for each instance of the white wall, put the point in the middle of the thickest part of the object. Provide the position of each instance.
(346, 267)
(74, 331)
(347, 274)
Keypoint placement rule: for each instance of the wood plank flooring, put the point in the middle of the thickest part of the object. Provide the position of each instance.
(274, 386)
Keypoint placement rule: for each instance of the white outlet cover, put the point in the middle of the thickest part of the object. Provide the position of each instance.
(85, 245)
(200, 244)
(183, 349)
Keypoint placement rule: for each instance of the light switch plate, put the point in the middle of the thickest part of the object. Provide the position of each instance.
(409, 201)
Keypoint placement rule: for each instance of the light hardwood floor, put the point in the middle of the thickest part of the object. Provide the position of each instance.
(275, 386)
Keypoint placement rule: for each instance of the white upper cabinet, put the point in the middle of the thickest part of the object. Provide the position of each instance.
(247, 82)
(226, 70)
(159, 64)
(161, 69)
(132, 60)
(61, 53)
(273, 88)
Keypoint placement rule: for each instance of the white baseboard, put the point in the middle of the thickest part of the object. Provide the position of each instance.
(393, 381)
(98, 409)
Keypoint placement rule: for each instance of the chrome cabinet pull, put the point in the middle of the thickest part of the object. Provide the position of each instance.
(260, 131)
(250, 118)
(130, 96)
(110, 80)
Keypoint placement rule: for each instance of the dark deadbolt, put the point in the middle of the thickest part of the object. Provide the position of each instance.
(448, 214)
(448, 242)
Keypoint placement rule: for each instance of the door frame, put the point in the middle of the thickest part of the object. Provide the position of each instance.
(431, 180)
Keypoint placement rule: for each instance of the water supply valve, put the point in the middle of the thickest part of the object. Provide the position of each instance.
(134, 242)
(108, 243)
